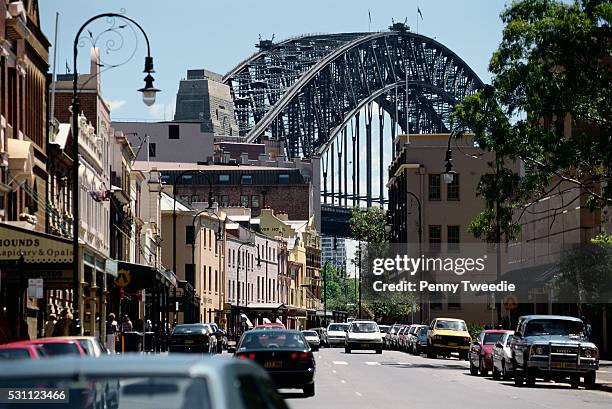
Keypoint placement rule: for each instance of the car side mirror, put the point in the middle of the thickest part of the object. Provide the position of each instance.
(588, 330)
(499, 345)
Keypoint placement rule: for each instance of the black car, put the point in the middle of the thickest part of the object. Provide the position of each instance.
(192, 338)
(285, 354)
(219, 336)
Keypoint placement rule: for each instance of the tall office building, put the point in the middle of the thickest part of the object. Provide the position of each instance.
(337, 256)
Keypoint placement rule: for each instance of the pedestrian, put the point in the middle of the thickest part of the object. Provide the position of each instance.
(62, 327)
(21, 329)
(148, 327)
(50, 325)
(111, 332)
(5, 329)
(126, 324)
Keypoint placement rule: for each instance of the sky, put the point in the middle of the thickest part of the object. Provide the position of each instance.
(218, 34)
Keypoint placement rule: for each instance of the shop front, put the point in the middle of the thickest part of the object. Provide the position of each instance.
(186, 303)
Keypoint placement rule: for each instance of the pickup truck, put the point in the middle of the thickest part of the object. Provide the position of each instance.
(553, 347)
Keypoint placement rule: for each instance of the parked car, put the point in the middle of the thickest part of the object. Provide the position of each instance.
(91, 345)
(363, 335)
(219, 336)
(192, 338)
(417, 341)
(313, 339)
(391, 336)
(322, 335)
(481, 351)
(502, 357)
(447, 335)
(285, 354)
(176, 381)
(402, 338)
(336, 333)
(384, 329)
(27, 351)
(270, 325)
(553, 347)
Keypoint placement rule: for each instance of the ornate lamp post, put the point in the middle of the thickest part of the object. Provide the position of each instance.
(148, 93)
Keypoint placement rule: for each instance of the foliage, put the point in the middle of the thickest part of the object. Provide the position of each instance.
(393, 308)
(340, 289)
(369, 225)
(474, 329)
(551, 73)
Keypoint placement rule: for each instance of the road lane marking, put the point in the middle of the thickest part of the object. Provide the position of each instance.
(358, 394)
(372, 363)
(342, 381)
(339, 362)
(405, 363)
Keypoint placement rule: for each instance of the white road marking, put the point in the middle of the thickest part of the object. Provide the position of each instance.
(334, 371)
(404, 363)
(339, 362)
(372, 363)
(358, 394)
(342, 381)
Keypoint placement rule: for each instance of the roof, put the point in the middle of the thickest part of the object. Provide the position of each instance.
(167, 204)
(450, 319)
(169, 166)
(549, 317)
(111, 365)
(61, 137)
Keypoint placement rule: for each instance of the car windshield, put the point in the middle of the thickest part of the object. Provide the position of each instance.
(384, 328)
(364, 327)
(16, 353)
(58, 348)
(122, 392)
(554, 327)
(451, 325)
(272, 339)
(188, 329)
(337, 327)
(492, 337)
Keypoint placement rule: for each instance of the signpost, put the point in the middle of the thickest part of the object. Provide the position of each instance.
(35, 288)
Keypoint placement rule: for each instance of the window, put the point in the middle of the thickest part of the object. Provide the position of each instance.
(453, 238)
(434, 187)
(184, 198)
(244, 200)
(195, 198)
(216, 281)
(189, 235)
(187, 179)
(224, 179)
(190, 273)
(224, 201)
(165, 179)
(152, 149)
(246, 180)
(435, 237)
(283, 179)
(209, 278)
(173, 131)
(255, 201)
(452, 189)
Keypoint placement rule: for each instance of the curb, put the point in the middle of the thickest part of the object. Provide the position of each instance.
(606, 387)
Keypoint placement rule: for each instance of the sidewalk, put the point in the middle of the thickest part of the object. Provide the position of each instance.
(604, 376)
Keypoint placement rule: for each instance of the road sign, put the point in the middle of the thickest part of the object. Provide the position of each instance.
(510, 302)
(123, 278)
(35, 287)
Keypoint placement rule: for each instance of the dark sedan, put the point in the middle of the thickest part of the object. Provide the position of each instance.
(192, 338)
(285, 354)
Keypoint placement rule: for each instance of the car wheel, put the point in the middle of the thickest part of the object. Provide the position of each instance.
(505, 375)
(431, 352)
(473, 369)
(495, 373)
(575, 381)
(309, 390)
(518, 376)
(481, 368)
(379, 351)
(589, 380)
(347, 350)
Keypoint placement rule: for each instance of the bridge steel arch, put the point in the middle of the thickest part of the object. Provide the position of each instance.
(307, 90)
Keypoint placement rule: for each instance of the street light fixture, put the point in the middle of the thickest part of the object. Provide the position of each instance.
(149, 92)
(449, 173)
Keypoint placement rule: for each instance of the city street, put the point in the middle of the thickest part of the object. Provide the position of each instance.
(366, 380)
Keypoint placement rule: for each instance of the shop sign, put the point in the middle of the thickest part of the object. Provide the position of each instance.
(33, 246)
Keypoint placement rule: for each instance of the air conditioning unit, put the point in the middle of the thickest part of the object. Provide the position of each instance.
(17, 10)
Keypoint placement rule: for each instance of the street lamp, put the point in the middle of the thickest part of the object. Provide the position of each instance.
(420, 233)
(149, 92)
(449, 173)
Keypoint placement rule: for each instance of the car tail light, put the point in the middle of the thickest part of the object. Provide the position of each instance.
(247, 356)
(301, 355)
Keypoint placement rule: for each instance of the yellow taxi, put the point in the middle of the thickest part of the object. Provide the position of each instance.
(447, 335)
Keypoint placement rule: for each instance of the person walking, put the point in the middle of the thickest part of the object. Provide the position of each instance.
(50, 325)
(126, 324)
(112, 327)
(62, 327)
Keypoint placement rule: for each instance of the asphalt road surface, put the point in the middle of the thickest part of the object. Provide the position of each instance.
(396, 379)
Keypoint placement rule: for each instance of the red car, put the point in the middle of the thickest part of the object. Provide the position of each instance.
(12, 351)
(481, 351)
(271, 325)
(53, 346)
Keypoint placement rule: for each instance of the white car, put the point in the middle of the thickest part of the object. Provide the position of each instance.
(363, 335)
(336, 333)
(313, 339)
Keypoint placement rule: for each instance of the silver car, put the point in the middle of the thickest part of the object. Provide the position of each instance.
(313, 339)
(143, 381)
(502, 357)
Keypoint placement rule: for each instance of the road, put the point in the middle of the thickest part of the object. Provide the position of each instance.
(366, 380)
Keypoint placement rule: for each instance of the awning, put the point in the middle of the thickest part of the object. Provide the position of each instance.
(36, 247)
(21, 159)
(140, 276)
(266, 306)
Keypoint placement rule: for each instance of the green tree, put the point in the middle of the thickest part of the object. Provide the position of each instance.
(369, 225)
(551, 73)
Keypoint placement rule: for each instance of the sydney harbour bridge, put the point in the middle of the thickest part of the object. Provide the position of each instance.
(343, 98)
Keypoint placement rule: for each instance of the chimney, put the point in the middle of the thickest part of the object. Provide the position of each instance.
(244, 158)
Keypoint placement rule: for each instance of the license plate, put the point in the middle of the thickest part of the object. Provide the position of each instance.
(273, 364)
(189, 341)
(563, 365)
(365, 345)
(452, 344)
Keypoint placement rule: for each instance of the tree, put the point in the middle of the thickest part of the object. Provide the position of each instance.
(548, 106)
(369, 225)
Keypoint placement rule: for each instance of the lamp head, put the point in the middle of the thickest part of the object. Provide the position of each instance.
(149, 92)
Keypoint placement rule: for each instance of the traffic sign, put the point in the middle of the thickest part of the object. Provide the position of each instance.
(510, 302)
(123, 278)
(35, 288)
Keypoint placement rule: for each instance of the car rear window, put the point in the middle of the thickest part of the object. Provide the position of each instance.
(337, 327)
(492, 338)
(16, 353)
(188, 329)
(57, 348)
(310, 333)
(272, 339)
